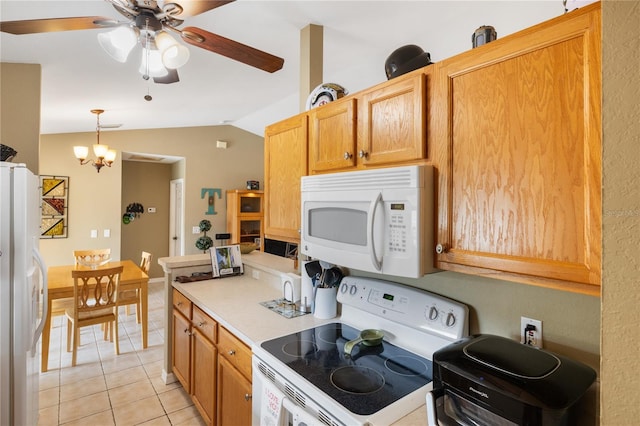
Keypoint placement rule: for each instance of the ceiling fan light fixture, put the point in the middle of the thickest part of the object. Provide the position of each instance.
(174, 55)
(151, 64)
(118, 43)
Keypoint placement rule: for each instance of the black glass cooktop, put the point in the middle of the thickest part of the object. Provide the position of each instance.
(365, 382)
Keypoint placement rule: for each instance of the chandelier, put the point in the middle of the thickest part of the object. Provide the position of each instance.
(104, 155)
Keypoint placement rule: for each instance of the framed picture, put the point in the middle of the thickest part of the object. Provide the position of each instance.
(54, 206)
(226, 261)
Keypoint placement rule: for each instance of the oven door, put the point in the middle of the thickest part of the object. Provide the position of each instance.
(272, 406)
(446, 408)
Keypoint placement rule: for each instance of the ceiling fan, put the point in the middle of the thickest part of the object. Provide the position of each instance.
(150, 23)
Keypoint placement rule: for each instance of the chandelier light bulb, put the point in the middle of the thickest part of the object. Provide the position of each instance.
(81, 152)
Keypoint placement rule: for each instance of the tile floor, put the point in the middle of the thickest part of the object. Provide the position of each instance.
(105, 389)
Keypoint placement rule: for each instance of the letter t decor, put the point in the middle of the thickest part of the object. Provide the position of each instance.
(209, 193)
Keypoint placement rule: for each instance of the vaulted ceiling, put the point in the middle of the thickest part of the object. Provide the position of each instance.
(77, 75)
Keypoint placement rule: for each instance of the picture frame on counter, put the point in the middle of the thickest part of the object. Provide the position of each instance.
(226, 261)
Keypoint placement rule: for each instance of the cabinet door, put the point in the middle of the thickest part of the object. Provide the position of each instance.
(234, 396)
(181, 349)
(332, 136)
(203, 377)
(392, 121)
(521, 164)
(285, 155)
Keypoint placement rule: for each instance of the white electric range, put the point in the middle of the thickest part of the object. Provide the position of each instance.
(319, 384)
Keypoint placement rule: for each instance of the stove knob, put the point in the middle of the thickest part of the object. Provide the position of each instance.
(433, 313)
(343, 288)
(451, 320)
(353, 290)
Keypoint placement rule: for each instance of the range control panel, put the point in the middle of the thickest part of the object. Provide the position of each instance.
(410, 306)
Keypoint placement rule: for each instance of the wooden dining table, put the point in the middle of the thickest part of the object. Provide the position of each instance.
(60, 286)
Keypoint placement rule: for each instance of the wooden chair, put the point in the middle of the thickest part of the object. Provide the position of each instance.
(130, 297)
(94, 296)
(85, 257)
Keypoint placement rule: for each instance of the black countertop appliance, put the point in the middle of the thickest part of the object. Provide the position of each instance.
(491, 380)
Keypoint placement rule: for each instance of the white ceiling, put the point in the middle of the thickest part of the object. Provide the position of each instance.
(77, 75)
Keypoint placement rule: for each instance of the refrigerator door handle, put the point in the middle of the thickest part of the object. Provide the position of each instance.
(45, 295)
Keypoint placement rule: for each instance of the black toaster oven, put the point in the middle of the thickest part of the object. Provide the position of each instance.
(491, 380)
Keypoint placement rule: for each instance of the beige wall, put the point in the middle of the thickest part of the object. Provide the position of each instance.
(20, 111)
(95, 198)
(146, 184)
(621, 214)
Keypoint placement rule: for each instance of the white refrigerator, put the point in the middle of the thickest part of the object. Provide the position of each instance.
(23, 290)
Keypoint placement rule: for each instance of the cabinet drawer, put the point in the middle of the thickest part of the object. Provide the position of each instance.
(204, 323)
(181, 303)
(235, 351)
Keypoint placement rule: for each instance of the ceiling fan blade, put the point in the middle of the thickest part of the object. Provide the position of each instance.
(232, 49)
(172, 77)
(56, 24)
(196, 7)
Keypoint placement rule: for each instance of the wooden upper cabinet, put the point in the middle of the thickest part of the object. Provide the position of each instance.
(392, 119)
(381, 126)
(285, 155)
(519, 156)
(332, 136)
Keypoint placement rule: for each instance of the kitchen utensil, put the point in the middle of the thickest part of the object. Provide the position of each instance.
(332, 277)
(368, 337)
(313, 268)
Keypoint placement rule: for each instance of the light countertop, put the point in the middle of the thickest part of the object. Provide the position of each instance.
(234, 302)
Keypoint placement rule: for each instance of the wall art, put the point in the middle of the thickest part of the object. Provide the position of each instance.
(55, 206)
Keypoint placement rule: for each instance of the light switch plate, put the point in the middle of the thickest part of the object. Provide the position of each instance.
(106, 233)
(195, 229)
(94, 233)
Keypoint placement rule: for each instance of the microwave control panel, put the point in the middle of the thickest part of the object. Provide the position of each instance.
(398, 228)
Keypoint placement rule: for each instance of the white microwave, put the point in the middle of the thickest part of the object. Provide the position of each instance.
(378, 220)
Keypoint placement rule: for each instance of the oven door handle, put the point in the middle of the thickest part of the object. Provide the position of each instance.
(298, 414)
(432, 396)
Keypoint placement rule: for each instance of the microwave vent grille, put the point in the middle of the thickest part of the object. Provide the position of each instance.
(388, 178)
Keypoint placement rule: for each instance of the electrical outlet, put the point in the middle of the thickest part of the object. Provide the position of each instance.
(531, 332)
(195, 229)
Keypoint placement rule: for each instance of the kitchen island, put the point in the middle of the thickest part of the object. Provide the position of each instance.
(234, 303)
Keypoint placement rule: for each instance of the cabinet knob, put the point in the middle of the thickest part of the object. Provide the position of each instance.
(363, 154)
(441, 248)
(247, 397)
(232, 352)
(347, 155)
(201, 324)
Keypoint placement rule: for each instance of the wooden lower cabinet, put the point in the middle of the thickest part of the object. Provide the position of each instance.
(234, 381)
(234, 395)
(212, 365)
(195, 355)
(203, 375)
